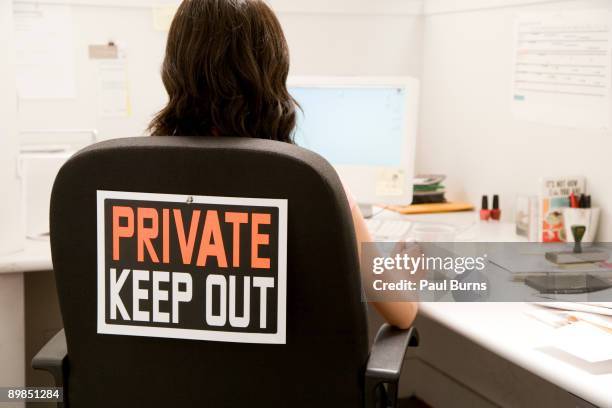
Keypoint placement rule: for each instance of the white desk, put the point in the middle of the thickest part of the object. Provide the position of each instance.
(506, 329)
(502, 328)
(36, 256)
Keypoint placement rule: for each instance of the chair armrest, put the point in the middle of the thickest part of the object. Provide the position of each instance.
(386, 361)
(53, 358)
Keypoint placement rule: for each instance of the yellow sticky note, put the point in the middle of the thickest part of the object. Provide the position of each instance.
(390, 182)
(163, 16)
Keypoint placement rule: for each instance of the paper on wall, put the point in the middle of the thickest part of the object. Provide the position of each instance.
(562, 69)
(113, 87)
(45, 60)
(163, 16)
(104, 51)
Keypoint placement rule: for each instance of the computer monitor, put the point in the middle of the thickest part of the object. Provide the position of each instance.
(366, 128)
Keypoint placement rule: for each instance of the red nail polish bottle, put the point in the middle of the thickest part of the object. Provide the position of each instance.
(496, 212)
(485, 213)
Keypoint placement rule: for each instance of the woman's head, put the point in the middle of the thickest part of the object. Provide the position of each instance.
(225, 72)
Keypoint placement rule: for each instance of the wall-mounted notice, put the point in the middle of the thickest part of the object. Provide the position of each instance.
(562, 69)
(44, 45)
(113, 87)
(103, 51)
(192, 267)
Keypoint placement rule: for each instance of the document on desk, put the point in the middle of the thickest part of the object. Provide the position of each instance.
(585, 341)
(44, 42)
(562, 69)
(596, 308)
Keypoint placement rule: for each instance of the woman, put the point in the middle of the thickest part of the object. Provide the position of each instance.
(225, 71)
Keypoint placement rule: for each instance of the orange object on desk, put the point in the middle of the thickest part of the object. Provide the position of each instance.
(432, 208)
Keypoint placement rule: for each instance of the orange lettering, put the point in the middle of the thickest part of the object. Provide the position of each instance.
(259, 239)
(119, 231)
(166, 232)
(236, 219)
(146, 234)
(212, 229)
(186, 247)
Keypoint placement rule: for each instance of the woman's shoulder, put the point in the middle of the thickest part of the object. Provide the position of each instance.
(349, 196)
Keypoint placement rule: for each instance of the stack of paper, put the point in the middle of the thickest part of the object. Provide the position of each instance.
(428, 189)
(583, 329)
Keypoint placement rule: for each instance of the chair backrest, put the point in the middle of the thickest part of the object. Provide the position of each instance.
(122, 213)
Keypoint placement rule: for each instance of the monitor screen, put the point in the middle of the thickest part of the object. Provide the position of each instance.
(352, 126)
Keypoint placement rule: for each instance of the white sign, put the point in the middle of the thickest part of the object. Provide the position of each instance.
(192, 267)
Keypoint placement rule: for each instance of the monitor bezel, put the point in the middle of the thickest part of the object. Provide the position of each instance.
(363, 181)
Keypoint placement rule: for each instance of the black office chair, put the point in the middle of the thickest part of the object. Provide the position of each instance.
(324, 358)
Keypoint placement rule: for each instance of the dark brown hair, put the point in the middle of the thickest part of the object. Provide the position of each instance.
(225, 72)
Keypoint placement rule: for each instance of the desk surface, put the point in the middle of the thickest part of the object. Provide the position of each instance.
(35, 257)
(506, 330)
(503, 328)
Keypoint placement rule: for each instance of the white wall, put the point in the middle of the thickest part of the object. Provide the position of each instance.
(353, 37)
(462, 52)
(342, 37)
(132, 29)
(12, 342)
(467, 129)
(9, 185)
(336, 44)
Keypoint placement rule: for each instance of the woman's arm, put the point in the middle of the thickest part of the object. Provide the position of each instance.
(399, 314)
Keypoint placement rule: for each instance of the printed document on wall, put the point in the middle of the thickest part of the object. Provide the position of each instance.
(44, 42)
(562, 69)
(113, 87)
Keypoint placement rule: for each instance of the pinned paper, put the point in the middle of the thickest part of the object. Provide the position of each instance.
(113, 87)
(107, 51)
(44, 40)
(163, 16)
(562, 68)
(390, 182)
